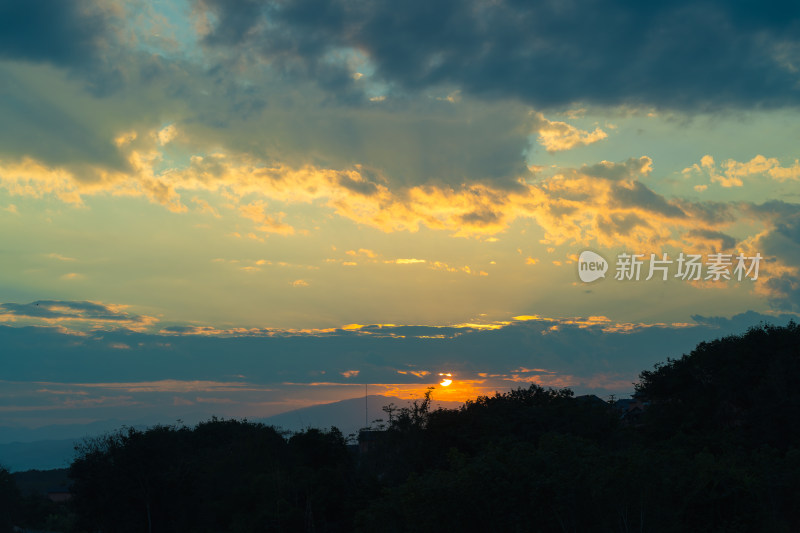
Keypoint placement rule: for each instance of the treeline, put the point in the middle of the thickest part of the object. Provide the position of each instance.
(32, 508)
(717, 448)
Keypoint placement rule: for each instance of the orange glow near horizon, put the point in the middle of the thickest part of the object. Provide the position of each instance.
(456, 391)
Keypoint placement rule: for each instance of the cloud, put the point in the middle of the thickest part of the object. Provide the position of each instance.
(65, 33)
(684, 54)
(634, 194)
(784, 291)
(294, 90)
(630, 169)
(59, 376)
(370, 256)
(577, 351)
(363, 251)
(204, 207)
(169, 385)
(32, 178)
(255, 211)
(558, 136)
(167, 134)
(725, 242)
(733, 172)
(76, 314)
(454, 166)
(742, 321)
(605, 203)
(60, 257)
(84, 39)
(780, 244)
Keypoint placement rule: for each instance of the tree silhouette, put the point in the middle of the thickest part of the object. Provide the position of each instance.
(716, 449)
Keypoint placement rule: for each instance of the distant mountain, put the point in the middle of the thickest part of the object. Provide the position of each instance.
(347, 415)
(61, 431)
(50, 447)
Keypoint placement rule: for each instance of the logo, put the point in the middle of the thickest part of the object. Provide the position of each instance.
(718, 267)
(591, 266)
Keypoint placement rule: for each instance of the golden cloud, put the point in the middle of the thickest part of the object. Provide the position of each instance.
(560, 136)
(733, 172)
(603, 203)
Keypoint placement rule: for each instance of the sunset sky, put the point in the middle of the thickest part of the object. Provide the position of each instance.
(243, 207)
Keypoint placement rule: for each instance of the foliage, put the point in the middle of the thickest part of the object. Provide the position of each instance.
(742, 388)
(716, 450)
(222, 475)
(9, 500)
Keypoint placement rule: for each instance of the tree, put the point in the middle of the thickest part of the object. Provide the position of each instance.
(738, 389)
(221, 475)
(9, 500)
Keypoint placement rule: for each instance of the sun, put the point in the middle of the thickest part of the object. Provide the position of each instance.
(446, 381)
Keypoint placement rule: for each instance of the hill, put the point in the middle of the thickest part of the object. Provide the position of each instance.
(347, 415)
(27, 449)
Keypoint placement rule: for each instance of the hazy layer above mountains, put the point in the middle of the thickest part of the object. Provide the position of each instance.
(52, 446)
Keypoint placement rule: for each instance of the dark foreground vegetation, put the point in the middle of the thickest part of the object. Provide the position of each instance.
(716, 448)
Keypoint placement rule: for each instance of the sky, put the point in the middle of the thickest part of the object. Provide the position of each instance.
(242, 207)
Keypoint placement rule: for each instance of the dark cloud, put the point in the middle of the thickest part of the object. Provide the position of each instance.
(779, 245)
(563, 346)
(680, 54)
(236, 18)
(481, 218)
(61, 33)
(78, 35)
(50, 375)
(365, 188)
(774, 209)
(630, 169)
(638, 195)
(34, 124)
(790, 228)
(782, 242)
(783, 239)
(708, 211)
(57, 309)
(181, 329)
(619, 224)
(784, 292)
(743, 321)
(726, 241)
